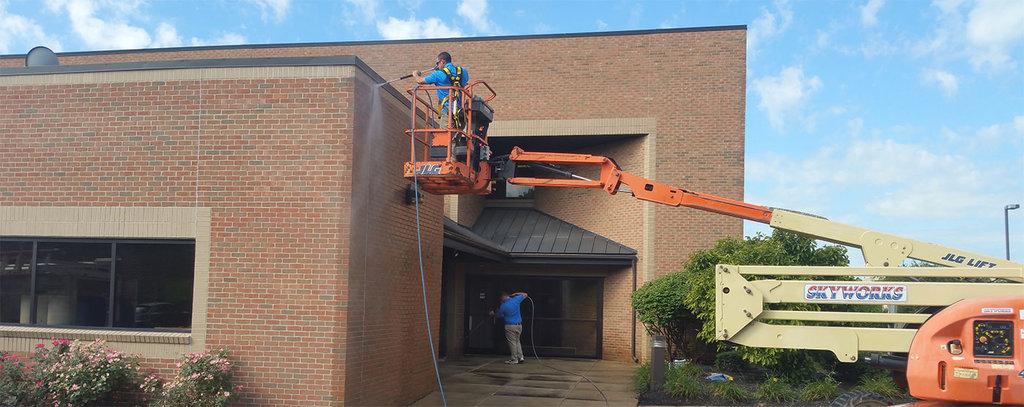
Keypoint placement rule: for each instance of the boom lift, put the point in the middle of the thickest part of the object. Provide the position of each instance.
(963, 341)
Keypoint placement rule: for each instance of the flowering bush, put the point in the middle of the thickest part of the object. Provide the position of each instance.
(15, 387)
(77, 374)
(203, 380)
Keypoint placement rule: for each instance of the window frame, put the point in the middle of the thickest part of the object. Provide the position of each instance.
(113, 278)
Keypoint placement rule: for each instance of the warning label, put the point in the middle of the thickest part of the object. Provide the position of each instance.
(856, 292)
(997, 311)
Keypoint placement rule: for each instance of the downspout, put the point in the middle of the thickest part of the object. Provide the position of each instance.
(633, 326)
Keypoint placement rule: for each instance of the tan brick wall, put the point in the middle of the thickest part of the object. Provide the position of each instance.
(291, 294)
(387, 354)
(691, 82)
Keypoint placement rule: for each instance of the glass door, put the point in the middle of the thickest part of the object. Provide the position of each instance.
(564, 319)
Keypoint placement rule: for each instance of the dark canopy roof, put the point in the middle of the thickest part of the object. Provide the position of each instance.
(526, 235)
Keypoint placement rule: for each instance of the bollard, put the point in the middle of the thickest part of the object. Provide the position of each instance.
(659, 350)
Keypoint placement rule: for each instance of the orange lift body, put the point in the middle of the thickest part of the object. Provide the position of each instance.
(970, 352)
(452, 159)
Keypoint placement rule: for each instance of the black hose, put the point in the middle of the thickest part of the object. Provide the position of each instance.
(533, 327)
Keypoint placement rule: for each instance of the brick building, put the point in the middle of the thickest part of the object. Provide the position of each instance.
(176, 200)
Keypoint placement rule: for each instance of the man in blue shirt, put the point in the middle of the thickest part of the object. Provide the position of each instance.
(509, 311)
(445, 74)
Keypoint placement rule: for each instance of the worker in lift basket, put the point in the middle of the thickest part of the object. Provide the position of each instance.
(509, 311)
(446, 74)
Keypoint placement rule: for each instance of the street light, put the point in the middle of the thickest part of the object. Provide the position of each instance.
(1006, 224)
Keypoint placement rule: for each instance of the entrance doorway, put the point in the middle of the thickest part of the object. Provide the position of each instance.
(567, 321)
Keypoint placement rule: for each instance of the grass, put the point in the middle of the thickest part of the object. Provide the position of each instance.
(642, 378)
(880, 382)
(821, 389)
(730, 391)
(775, 390)
(684, 381)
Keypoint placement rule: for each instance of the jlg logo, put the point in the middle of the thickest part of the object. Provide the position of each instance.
(953, 257)
(429, 169)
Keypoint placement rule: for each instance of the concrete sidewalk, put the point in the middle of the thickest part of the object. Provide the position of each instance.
(487, 381)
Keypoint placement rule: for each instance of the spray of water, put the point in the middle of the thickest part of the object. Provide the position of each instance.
(365, 158)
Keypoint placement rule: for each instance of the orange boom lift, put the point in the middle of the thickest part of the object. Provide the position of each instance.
(957, 341)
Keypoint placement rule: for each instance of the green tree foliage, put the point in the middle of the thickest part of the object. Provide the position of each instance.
(659, 306)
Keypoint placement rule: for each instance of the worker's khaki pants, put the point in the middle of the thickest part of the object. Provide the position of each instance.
(512, 333)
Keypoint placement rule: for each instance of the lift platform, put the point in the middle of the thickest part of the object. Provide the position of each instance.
(451, 159)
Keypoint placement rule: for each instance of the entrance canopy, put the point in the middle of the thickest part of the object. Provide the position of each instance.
(528, 236)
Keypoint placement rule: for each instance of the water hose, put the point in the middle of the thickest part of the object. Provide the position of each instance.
(533, 344)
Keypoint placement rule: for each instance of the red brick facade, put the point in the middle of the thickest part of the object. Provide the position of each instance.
(313, 280)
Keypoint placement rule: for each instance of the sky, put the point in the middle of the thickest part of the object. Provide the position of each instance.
(901, 116)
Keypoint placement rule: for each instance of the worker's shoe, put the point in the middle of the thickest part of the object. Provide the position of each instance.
(511, 362)
(521, 361)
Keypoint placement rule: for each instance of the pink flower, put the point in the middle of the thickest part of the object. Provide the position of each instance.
(74, 387)
(40, 346)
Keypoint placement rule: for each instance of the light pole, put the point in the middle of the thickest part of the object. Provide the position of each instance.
(1006, 225)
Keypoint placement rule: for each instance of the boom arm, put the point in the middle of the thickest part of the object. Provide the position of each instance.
(880, 249)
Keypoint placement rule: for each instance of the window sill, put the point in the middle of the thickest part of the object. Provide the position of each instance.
(44, 334)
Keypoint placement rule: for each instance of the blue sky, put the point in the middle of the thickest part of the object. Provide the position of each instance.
(902, 116)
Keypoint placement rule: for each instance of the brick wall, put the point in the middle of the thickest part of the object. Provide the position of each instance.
(387, 355)
(691, 82)
(302, 289)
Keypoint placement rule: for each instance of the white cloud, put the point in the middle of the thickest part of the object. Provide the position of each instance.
(601, 25)
(989, 36)
(367, 8)
(99, 33)
(19, 33)
(413, 28)
(869, 13)
(166, 36)
(784, 94)
(768, 25)
(946, 81)
(475, 11)
(895, 179)
(276, 8)
(994, 27)
(224, 39)
(1018, 124)
(101, 24)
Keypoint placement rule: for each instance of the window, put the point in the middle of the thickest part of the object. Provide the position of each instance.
(97, 283)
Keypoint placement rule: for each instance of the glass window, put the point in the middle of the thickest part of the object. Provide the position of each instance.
(154, 285)
(15, 282)
(79, 283)
(72, 283)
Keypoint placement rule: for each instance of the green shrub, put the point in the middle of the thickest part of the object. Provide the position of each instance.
(730, 391)
(659, 306)
(642, 378)
(203, 380)
(75, 373)
(15, 387)
(780, 249)
(880, 382)
(775, 390)
(684, 381)
(731, 361)
(822, 389)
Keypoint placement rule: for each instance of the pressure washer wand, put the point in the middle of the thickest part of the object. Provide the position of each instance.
(407, 76)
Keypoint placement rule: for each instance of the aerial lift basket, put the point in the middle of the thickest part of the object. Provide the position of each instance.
(449, 150)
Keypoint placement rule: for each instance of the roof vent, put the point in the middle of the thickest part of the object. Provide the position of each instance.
(41, 56)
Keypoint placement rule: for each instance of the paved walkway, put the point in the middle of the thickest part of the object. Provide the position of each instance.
(487, 381)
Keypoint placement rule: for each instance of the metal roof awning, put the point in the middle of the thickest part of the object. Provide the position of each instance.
(529, 236)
